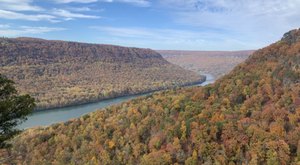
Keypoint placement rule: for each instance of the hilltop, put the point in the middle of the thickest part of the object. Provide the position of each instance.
(249, 116)
(60, 73)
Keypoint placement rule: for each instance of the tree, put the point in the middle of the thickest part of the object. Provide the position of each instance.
(193, 160)
(13, 109)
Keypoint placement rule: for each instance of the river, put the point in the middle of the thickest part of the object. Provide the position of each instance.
(48, 117)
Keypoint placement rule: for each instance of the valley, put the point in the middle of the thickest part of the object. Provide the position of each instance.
(250, 115)
(61, 73)
(149, 82)
(216, 63)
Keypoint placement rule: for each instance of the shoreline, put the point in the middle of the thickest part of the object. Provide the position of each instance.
(199, 82)
(48, 117)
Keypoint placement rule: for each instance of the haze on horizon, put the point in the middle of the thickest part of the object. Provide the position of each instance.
(157, 24)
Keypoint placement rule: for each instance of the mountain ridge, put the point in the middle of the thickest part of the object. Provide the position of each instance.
(60, 73)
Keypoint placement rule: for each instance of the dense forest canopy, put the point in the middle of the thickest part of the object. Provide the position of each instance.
(59, 73)
(250, 116)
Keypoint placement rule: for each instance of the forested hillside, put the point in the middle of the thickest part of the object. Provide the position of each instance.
(250, 116)
(59, 73)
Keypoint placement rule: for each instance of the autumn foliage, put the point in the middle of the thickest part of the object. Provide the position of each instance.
(58, 73)
(250, 116)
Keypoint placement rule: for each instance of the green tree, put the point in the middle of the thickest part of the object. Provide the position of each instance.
(272, 158)
(13, 109)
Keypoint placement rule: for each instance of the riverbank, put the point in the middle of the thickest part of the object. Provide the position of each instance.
(51, 116)
(122, 94)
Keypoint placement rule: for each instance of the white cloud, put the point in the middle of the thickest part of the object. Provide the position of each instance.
(141, 3)
(26, 10)
(246, 20)
(5, 14)
(75, 1)
(26, 30)
(19, 5)
(79, 9)
(68, 15)
(169, 38)
(3, 26)
(126, 32)
(56, 15)
(85, 9)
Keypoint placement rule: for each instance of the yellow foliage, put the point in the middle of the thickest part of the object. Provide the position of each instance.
(111, 144)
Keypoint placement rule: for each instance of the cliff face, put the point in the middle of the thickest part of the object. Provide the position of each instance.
(59, 73)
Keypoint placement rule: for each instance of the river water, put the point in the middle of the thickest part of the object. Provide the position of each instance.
(48, 117)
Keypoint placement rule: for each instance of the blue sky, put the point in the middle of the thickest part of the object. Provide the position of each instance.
(156, 24)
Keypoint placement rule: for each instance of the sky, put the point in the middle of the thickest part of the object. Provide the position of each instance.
(155, 24)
